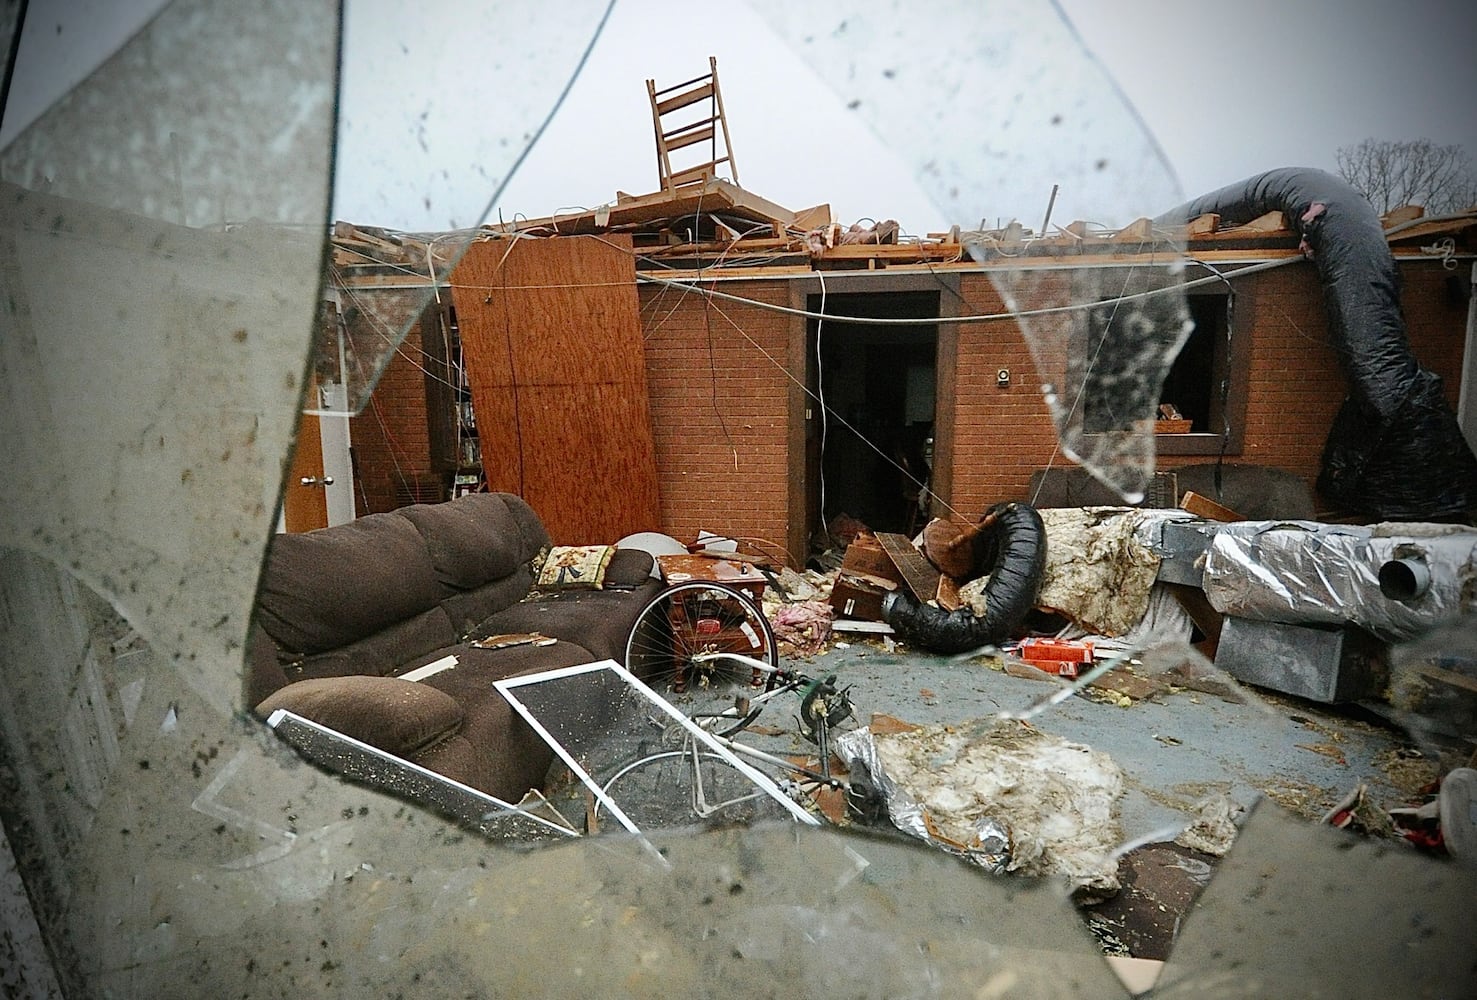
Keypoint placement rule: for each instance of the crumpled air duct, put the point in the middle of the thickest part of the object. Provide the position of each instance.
(1012, 549)
(1395, 450)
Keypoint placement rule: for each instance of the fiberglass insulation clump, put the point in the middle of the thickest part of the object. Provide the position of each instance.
(1057, 800)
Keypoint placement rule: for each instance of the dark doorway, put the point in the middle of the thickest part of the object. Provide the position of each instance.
(871, 447)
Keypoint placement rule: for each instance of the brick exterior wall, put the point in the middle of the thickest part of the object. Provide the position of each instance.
(1436, 321)
(720, 410)
(1294, 385)
(391, 438)
(1001, 435)
(1294, 382)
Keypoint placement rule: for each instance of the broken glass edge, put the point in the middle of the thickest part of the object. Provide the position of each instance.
(467, 804)
(1266, 913)
(1122, 460)
(971, 148)
(357, 397)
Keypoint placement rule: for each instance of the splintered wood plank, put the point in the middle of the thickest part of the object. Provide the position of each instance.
(714, 195)
(1403, 214)
(1208, 508)
(948, 593)
(1137, 231)
(918, 573)
(813, 217)
(1130, 684)
(1272, 222)
(551, 338)
(1203, 225)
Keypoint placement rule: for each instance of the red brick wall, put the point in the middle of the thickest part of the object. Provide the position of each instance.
(1435, 321)
(1001, 435)
(735, 474)
(719, 410)
(1294, 382)
(390, 438)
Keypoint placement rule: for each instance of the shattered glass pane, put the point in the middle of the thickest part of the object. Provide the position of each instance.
(778, 910)
(153, 355)
(999, 119)
(1007, 104)
(359, 761)
(1102, 343)
(405, 156)
(1296, 909)
(161, 252)
(1433, 686)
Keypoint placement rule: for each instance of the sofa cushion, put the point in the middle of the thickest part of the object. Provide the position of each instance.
(468, 607)
(324, 589)
(381, 654)
(388, 648)
(535, 536)
(400, 717)
(599, 620)
(472, 540)
(495, 750)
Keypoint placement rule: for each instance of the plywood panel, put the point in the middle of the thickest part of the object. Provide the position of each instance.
(551, 337)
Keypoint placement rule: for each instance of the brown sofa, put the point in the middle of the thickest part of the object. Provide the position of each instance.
(343, 612)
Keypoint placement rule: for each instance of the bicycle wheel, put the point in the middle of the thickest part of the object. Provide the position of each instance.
(680, 627)
(680, 788)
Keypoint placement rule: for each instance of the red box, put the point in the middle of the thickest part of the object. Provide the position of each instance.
(1062, 657)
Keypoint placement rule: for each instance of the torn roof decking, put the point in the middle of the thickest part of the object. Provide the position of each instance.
(715, 196)
(756, 236)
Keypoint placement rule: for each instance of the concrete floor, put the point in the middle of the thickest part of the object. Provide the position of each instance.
(1289, 757)
(1175, 748)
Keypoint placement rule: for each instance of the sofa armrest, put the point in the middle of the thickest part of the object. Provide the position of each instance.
(397, 716)
(628, 569)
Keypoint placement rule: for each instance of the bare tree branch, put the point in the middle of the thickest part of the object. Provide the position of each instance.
(1417, 172)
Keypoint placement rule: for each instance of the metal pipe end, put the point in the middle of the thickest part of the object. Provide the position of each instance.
(1405, 579)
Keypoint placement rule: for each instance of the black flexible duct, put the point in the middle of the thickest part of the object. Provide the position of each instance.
(1395, 450)
(1013, 552)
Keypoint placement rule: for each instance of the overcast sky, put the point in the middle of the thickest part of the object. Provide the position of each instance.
(1226, 90)
(440, 95)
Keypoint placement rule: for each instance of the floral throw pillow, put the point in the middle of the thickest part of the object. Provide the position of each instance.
(575, 566)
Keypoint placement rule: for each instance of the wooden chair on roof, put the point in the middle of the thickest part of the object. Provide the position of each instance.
(678, 128)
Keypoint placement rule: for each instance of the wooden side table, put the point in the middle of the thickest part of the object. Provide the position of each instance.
(706, 620)
(735, 573)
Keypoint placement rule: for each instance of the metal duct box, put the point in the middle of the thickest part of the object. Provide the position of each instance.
(1317, 662)
(1181, 546)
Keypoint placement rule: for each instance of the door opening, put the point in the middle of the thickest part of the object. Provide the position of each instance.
(870, 450)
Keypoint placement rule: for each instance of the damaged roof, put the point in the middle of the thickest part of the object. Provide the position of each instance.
(716, 226)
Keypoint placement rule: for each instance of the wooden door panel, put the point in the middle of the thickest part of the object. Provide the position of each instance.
(306, 507)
